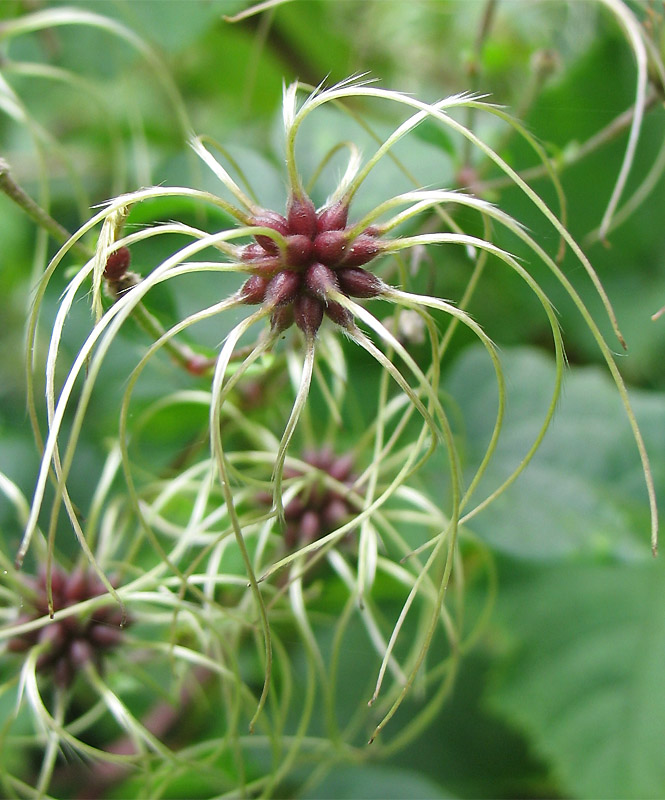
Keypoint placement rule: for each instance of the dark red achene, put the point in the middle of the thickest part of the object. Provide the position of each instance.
(318, 255)
(117, 264)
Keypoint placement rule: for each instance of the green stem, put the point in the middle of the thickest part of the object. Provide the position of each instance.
(34, 210)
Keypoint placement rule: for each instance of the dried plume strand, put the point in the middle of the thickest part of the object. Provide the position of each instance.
(312, 254)
(70, 643)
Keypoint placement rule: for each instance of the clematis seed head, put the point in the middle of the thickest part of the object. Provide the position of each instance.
(68, 644)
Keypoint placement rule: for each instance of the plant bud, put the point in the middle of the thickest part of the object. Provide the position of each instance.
(330, 247)
(362, 250)
(358, 282)
(339, 315)
(282, 288)
(308, 313)
(117, 264)
(302, 216)
(333, 218)
(298, 250)
(270, 219)
(253, 291)
(319, 280)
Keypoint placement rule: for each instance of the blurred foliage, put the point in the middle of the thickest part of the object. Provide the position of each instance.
(563, 696)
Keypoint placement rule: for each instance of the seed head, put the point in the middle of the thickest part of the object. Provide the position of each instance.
(320, 256)
(69, 643)
(318, 509)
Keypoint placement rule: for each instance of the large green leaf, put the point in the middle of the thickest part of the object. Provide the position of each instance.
(584, 491)
(376, 783)
(584, 675)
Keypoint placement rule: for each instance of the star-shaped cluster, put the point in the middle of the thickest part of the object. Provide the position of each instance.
(315, 254)
(68, 644)
(319, 507)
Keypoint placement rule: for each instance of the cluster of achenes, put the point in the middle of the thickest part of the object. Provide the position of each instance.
(319, 508)
(68, 644)
(313, 256)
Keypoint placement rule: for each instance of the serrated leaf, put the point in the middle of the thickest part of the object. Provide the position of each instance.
(584, 490)
(584, 676)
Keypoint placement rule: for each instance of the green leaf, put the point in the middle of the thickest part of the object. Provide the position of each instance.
(584, 676)
(376, 783)
(584, 491)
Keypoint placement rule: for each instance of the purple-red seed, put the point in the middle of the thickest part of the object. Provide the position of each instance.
(301, 216)
(333, 218)
(358, 282)
(117, 264)
(281, 318)
(308, 313)
(253, 251)
(298, 250)
(253, 291)
(341, 467)
(335, 512)
(362, 250)
(270, 219)
(320, 280)
(105, 635)
(330, 247)
(283, 288)
(339, 315)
